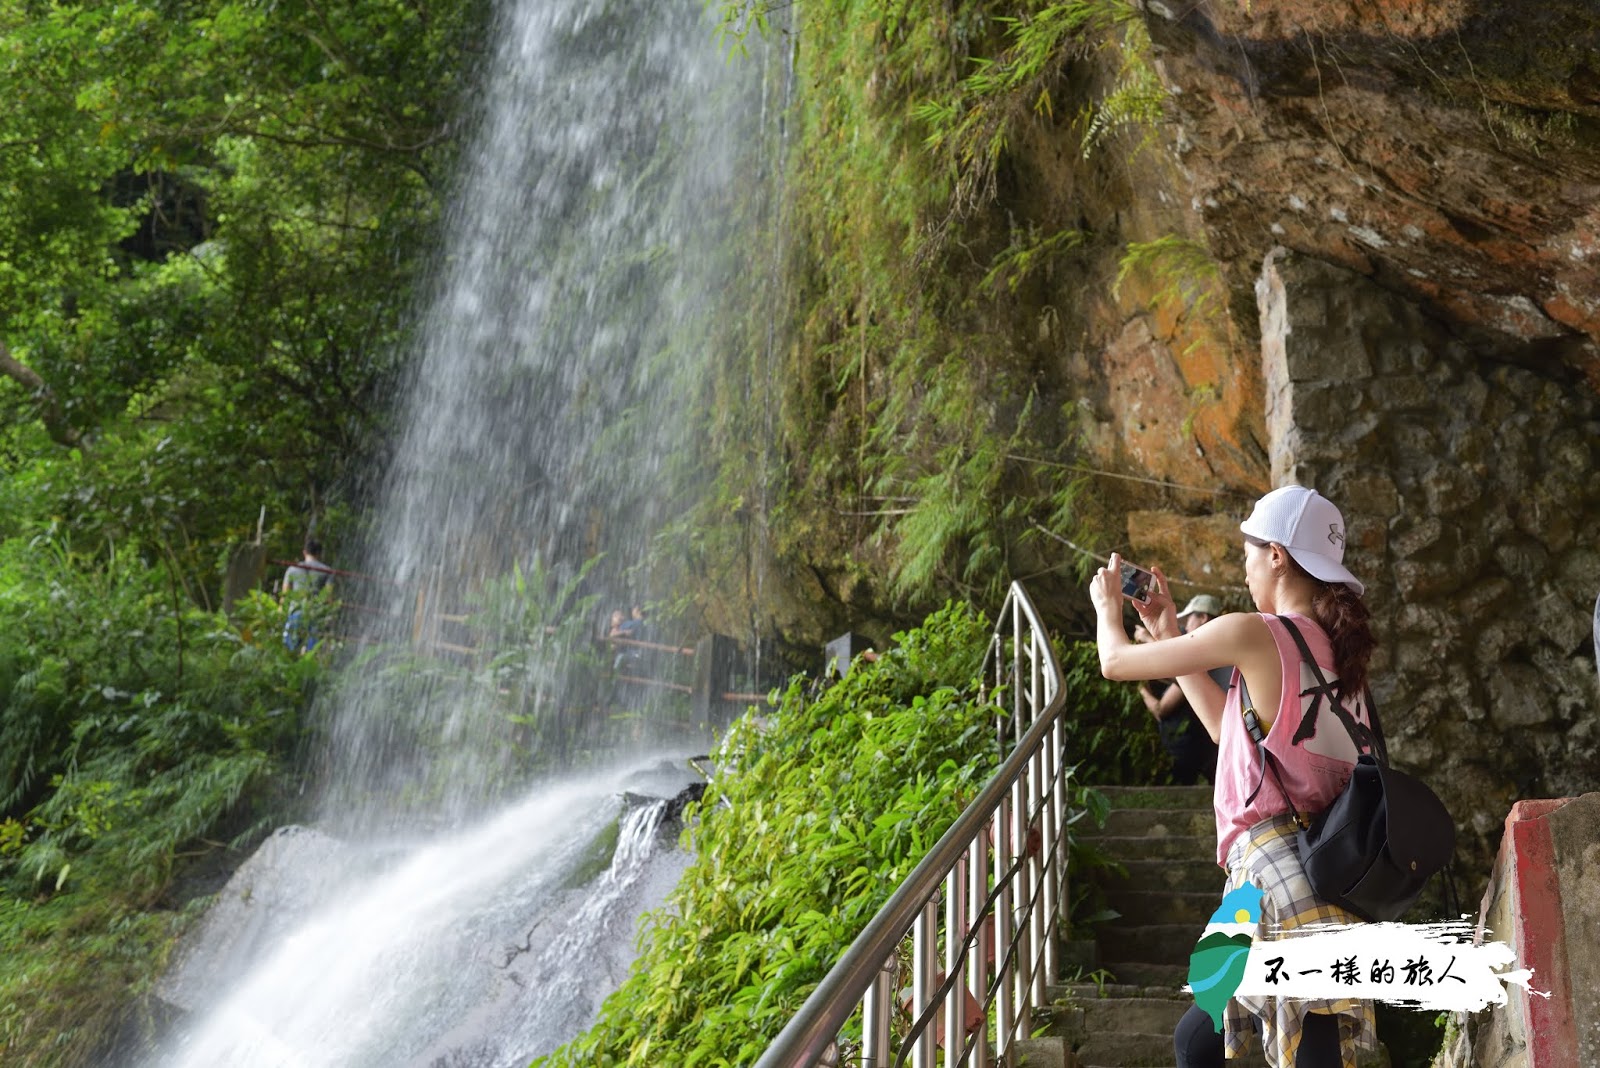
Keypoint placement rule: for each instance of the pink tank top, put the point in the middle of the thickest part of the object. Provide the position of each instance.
(1315, 752)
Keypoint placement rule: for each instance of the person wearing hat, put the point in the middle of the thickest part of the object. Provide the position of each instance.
(1294, 541)
(1183, 736)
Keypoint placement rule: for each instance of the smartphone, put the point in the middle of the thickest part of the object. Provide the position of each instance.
(1137, 582)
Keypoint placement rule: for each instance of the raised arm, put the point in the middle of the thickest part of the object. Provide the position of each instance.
(1240, 639)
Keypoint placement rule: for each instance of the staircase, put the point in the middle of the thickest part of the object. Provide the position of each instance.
(1165, 836)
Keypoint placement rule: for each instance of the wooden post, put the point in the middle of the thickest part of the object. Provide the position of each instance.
(714, 657)
(246, 564)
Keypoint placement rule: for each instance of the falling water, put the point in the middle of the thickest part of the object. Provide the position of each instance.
(548, 422)
(545, 429)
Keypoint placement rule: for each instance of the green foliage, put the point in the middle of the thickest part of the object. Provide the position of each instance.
(209, 222)
(1137, 101)
(1112, 737)
(133, 727)
(812, 819)
(211, 217)
(1027, 251)
(974, 125)
(809, 822)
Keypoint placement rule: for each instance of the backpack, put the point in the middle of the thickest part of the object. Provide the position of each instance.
(1375, 848)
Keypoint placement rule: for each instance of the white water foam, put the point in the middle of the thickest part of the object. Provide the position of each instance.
(466, 949)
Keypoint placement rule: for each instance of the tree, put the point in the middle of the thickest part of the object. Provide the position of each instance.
(212, 216)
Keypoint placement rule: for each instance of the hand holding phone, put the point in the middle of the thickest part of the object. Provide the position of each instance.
(1137, 583)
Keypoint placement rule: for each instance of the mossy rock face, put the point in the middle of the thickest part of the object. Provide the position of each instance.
(597, 856)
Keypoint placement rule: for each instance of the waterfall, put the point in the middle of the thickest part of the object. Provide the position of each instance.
(543, 436)
(547, 425)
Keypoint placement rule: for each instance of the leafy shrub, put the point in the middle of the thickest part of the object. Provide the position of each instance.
(133, 728)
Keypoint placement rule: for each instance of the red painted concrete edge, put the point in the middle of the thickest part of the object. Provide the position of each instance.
(1541, 942)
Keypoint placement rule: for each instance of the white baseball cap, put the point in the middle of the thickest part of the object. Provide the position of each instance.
(1309, 526)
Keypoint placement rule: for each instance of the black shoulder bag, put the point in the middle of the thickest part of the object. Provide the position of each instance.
(1384, 836)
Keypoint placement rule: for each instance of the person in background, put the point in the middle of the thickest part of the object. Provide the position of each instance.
(630, 628)
(1183, 736)
(633, 626)
(301, 582)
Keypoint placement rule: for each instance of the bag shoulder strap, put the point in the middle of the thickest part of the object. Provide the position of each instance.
(1380, 748)
(1265, 760)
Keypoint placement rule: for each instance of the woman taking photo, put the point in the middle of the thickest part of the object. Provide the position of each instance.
(1294, 568)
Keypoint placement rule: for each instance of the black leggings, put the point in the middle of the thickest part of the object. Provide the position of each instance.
(1198, 1044)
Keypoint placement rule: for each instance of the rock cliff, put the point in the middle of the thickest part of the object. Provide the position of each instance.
(1402, 200)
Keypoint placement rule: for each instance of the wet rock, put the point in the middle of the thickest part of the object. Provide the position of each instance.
(288, 875)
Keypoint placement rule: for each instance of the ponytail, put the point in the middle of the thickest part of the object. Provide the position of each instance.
(1344, 617)
(1342, 613)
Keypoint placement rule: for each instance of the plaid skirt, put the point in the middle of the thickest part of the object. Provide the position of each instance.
(1268, 856)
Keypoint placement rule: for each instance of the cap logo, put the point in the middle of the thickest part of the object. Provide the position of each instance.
(1335, 535)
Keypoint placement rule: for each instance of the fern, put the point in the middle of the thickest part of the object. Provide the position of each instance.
(1137, 101)
(1026, 253)
(974, 126)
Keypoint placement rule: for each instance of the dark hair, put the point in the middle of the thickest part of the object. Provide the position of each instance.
(313, 547)
(1342, 613)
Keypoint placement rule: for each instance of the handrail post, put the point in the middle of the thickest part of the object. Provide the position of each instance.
(978, 961)
(1032, 977)
(1049, 855)
(924, 981)
(1002, 929)
(876, 1051)
(955, 933)
(1021, 894)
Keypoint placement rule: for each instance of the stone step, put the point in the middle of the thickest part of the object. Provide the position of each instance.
(1158, 977)
(1161, 943)
(1078, 1020)
(1126, 1049)
(1148, 876)
(1158, 796)
(1083, 992)
(1140, 907)
(1049, 1051)
(1153, 822)
(1158, 847)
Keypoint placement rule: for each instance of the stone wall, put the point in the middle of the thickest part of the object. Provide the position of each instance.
(1469, 489)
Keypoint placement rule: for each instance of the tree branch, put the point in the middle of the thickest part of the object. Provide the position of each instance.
(49, 406)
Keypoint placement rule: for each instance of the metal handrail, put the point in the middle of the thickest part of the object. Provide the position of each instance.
(1001, 873)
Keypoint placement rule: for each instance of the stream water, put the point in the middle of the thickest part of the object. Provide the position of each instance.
(440, 923)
